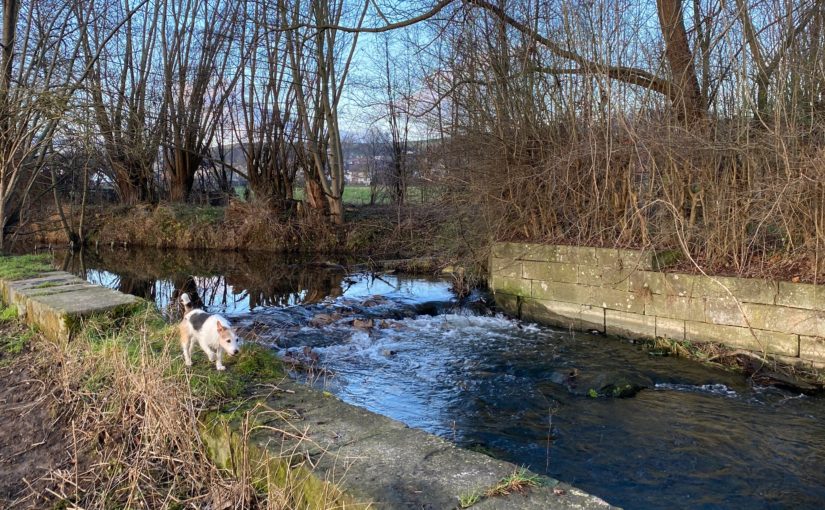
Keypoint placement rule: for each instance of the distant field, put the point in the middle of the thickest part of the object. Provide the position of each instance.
(358, 195)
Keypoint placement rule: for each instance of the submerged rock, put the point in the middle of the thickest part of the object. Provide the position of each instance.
(363, 324)
(601, 384)
(375, 301)
(324, 319)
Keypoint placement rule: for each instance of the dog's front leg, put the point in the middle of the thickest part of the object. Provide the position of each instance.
(190, 346)
(187, 352)
(186, 346)
(219, 359)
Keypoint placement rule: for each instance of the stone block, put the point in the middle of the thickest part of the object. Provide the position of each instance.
(508, 268)
(801, 295)
(539, 252)
(789, 320)
(757, 340)
(669, 284)
(746, 290)
(559, 291)
(670, 328)
(583, 255)
(561, 314)
(812, 348)
(550, 271)
(630, 325)
(513, 286)
(592, 317)
(605, 277)
(617, 300)
(624, 259)
(508, 304)
(726, 311)
(675, 307)
(509, 251)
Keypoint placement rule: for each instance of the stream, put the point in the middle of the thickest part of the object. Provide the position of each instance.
(694, 436)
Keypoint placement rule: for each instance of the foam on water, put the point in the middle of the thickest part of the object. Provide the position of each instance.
(715, 389)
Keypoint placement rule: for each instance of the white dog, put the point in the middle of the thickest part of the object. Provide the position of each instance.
(214, 334)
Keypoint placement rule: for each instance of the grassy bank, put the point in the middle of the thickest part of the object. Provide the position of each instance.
(131, 413)
(369, 233)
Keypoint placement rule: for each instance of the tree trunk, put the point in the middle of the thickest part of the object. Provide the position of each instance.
(180, 186)
(687, 97)
(3, 220)
(336, 210)
(313, 194)
(133, 187)
(182, 165)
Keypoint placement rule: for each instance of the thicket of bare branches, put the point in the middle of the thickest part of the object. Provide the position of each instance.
(695, 125)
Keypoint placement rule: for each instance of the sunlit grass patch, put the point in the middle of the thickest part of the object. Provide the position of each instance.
(470, 498)
(520, 480)
(17, 267)
(8, 313)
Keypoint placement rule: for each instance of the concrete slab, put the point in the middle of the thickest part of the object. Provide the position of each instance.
(384, 462)
(55, 301)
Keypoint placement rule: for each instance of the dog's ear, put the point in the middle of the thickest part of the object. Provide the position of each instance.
(220, 327)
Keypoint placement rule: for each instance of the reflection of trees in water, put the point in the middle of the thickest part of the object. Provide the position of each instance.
(214, 280)
(287, 286)
(139, 287)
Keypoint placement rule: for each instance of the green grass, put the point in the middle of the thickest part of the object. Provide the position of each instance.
(16, 344)
(469, 499)
(360, 195)
(142, 331)
(353, 195)
(187, 213)
(8, 313)
(519, 481)
(13, 339)
(24, 266)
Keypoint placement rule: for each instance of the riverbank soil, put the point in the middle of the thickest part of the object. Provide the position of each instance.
(37, 451)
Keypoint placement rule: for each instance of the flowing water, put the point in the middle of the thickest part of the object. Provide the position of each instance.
(695, 437)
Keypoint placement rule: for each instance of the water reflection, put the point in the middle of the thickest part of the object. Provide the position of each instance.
(227, 282)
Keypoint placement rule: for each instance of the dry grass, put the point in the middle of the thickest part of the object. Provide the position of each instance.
(377, 232)
(238, 226)
(135, 412)
(738, 201)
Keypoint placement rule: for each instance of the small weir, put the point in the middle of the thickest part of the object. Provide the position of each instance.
(639, 430)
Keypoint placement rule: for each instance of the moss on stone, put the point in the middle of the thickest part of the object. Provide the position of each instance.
(228, 442)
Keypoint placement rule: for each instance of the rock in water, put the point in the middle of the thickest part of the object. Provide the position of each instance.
(324, 319)
(364, 324)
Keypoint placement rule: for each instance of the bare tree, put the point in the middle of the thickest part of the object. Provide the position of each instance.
(37, 75)
(398, 115)
(202, 62)
(320, 58)
(265, 127)
(123, 91)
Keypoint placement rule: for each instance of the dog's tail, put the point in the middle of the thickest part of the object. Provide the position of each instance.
(186, 301)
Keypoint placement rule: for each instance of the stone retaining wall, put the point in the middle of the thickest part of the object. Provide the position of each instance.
(618, 292)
